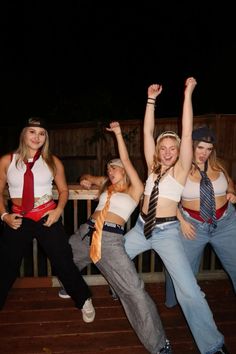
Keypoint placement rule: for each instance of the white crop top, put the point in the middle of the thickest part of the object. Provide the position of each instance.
(121, 204)
(168, 187)
(192, 189)
(43, 178)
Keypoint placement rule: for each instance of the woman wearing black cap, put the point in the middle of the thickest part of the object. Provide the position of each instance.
(169, 161)
(29, 173)
(219, 229)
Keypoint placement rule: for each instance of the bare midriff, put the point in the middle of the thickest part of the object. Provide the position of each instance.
(165, 207)
(111, 217)
(195, 203)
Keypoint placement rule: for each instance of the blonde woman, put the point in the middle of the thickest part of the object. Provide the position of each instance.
(29, 173)
(115, 265)
(169, 161)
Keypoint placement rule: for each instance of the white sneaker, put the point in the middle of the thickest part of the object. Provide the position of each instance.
(63, 294)
(88, 311)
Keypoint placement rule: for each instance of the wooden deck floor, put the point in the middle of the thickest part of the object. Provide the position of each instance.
(37, 321)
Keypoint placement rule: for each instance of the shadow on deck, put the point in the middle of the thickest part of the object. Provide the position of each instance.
(37, 321)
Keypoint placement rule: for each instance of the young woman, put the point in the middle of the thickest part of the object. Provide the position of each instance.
(169, 161)
(113, 262)
(196, 231)
(29, 173)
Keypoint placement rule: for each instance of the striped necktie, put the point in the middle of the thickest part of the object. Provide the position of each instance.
(207, 198)
(150, 220)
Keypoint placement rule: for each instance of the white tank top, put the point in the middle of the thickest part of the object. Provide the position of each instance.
(121, 204)
(192, 189)
(168, 187)
(43, 178)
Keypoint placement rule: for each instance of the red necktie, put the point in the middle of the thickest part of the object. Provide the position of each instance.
(28, 188)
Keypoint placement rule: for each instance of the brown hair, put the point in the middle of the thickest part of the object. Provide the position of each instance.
(215, 163)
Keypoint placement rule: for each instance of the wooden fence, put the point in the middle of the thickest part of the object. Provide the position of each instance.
(85, 148)
(36, 269)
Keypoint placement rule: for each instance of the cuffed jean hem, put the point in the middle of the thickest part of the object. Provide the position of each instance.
(167, 242)
(215, 349)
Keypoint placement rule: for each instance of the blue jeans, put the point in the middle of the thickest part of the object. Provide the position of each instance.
(166, 241)
(223, 241)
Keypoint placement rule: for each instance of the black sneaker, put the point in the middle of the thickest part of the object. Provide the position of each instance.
(167, 348)
(223, 350)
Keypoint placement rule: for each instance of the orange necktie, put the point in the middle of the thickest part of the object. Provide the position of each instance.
(96, 244)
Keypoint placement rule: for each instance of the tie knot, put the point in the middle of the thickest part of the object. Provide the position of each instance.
(158, 178)
(204, 176)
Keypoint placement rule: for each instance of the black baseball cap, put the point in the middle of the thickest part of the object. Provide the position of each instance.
(36, 122)
(204, 134)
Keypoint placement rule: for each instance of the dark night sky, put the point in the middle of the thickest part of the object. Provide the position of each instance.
(80, 61)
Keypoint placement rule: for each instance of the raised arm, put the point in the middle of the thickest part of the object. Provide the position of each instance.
(136, 187)
(149, 124)
(186, 150)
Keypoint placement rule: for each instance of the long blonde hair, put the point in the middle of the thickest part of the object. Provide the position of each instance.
(156, 167)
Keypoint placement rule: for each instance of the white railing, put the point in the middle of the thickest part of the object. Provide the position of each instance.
(149, 265)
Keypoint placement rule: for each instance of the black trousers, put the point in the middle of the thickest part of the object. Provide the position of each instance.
(54, 241)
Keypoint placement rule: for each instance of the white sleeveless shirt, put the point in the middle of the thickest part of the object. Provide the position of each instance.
(192, 189)
(121, 204)
(169, 187)
(43, 178)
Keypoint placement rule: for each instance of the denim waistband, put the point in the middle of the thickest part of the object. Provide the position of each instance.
(160, 220)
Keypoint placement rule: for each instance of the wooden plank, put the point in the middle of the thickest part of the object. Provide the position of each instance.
(36, 321)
